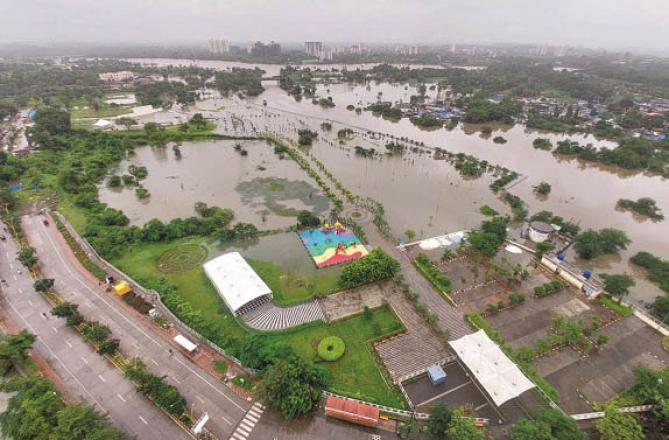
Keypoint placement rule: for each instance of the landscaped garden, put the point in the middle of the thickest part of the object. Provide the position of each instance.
(357, 373)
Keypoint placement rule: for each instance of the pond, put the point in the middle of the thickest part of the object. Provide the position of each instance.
(259, 187)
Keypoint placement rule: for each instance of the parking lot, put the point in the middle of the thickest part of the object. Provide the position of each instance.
(599, 376)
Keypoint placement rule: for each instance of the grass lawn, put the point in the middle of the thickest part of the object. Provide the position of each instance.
(289, 288)
(358, 373)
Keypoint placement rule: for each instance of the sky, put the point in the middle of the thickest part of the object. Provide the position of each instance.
(610, 24)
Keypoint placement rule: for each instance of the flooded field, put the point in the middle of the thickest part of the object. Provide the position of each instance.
(429, 196)
(259, 188)
(285, 250)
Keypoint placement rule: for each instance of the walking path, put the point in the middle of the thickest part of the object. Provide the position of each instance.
(450, 318)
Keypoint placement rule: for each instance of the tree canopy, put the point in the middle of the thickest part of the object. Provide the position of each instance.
(591, 244)
(374, 266)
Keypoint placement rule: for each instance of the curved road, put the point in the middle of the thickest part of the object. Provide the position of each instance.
(87, 374)
(203, 392)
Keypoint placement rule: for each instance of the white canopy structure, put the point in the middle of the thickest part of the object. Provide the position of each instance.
(236, 281)
(494, 371)
(102, 123)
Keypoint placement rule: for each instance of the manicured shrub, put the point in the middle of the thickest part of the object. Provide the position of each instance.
(331, 348)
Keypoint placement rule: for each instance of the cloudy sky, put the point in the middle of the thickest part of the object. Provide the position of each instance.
(591, 23)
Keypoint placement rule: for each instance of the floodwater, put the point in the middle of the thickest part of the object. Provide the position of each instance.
(270, 69)
(212, 172)
(429, 196)
(285, 250)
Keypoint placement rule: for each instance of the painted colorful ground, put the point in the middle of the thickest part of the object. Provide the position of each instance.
(332, 245)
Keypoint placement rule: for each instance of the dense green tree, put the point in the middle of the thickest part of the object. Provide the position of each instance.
(81, 422)
(617, 425)
(292, 386)
(542, 188)
(26, 256)
(43, 285)
(525, 429)
(258, 353)
(305, 219)
(463, 428)
(660, 308)
(439, 421)
(591, 244)
(375, 266)
(13, 348)
(53, 121)
(69, 311)
(617, 284)
(93, 331)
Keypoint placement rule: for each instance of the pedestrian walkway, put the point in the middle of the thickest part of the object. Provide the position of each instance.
(249, 421)
(269, 316)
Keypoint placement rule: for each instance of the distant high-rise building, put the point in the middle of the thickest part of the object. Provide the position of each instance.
(219, 46)
(313, 48)
(410, 50)
(260, 49)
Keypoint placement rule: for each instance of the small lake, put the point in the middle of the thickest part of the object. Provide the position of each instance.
(260, 188)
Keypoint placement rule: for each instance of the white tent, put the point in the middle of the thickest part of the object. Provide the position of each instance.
(494, 371)
(102, 123)
(236, 281)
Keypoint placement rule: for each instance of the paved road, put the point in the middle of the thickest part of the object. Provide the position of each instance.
(88, 375)
(203, 392)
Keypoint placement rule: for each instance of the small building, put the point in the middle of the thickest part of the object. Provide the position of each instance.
(540, 231)
(436, 374)
(352, 411)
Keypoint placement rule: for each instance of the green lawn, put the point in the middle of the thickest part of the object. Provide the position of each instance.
(358, 373)
(289, 288)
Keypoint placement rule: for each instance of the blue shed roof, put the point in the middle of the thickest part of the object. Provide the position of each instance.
(436, 373)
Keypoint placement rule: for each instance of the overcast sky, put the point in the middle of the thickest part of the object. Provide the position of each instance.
(591, 23)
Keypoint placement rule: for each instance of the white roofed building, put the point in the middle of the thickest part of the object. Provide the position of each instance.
(237, 283)
(501, 379)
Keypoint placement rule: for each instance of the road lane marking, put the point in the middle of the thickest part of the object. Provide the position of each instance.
(243, 429)
(226, 420)
(250, 417)
(102, 378)
(155, 363)
(200, 399)
(143, 421)
(84, 359)
(69, 344)
(21, 291)
(121, 397)
(55, 330)
(133, 324)
(239, 436)
(248, 424)
(30, 303)
(15, 279)
(32, 330)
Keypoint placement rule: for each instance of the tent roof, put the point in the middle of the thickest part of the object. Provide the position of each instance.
(497, 374)
(236, 281)
(185, 343)
(102, 123)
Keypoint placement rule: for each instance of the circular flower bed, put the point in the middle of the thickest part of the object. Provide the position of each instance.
(331, 348)
(182, 258)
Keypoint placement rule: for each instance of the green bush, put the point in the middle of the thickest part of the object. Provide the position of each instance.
(331, 348)
(517, 298)
(428, 269)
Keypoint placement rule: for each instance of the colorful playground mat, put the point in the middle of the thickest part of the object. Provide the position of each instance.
(330, 245)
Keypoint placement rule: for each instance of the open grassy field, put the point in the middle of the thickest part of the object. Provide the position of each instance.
(358, 373)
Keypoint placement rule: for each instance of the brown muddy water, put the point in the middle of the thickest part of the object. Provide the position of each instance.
(429, 196)
(215, 173)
